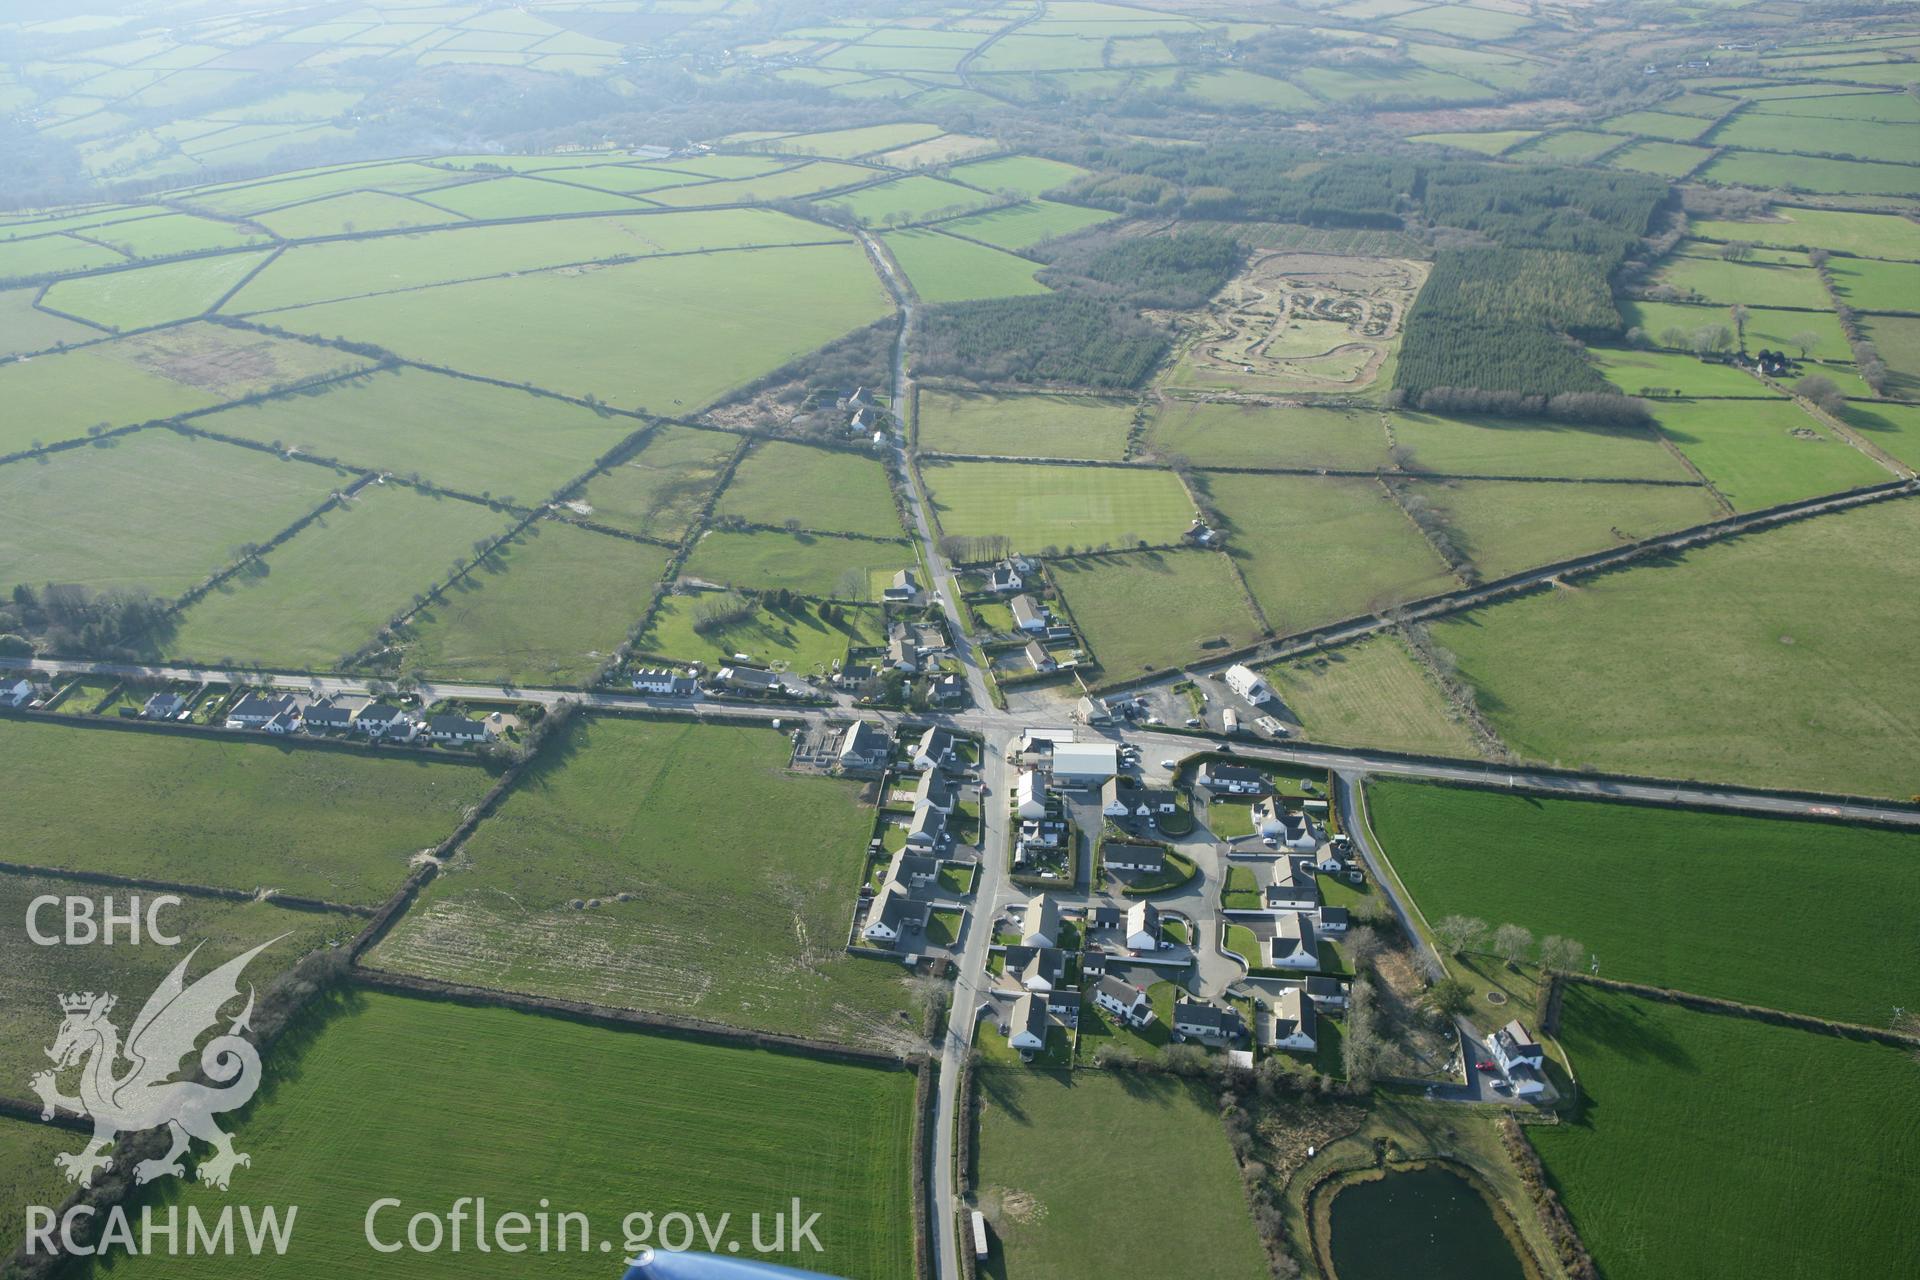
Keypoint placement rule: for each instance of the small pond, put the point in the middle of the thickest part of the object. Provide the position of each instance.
(1427, 1222)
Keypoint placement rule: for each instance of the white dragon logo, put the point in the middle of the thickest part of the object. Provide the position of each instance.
(146, 1096)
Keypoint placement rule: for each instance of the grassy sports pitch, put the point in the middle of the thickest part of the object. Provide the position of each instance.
(798, 640)
(812, 564)
(659, 491)
(192, 810)
(1048, 1140)
(1760, 454)
(1034, 426)
(723, 885)
(542, 1111)
(1370, 694)
(1222, 434)
(827, 489)
(944, 268)
(1675, 1166)
(1668, 897)
(1201, 603)
(1730, 662)
(1039, 506)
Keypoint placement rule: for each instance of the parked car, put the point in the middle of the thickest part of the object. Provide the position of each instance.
(1166, 764)
(1501, 1086)
(1193, 722)
(1488, 1065)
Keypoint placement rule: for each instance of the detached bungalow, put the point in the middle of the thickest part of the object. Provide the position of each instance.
(255, 710)
(1234, 780)
(1328, 992)
(1124, 1000)
(165, 706)
(928, 828)
(1035, 968)
(1143, 927)
(1027, 616)
(893, 914)
(1332, 919)
(1295, 887)
(1138, 859)
(749, 680)
(1295, 944)
(938, 749)
(1272, 820)
(383, 720)
(1295, 1022)
(1140, 802)
(1206, 1021)
(1027, 1026)
(666, 682)
(1038, 658)
(1244, 681)
(1041, 926)
(327, 716)
(901, 653)
(458, 729)
(1004, 577)
(904, 589)
(1030, 795)
(913, 870)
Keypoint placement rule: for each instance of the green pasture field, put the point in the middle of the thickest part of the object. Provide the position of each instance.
(945, 149)
(629, 180)
(25, 328)
(1213, 433)
(329, 589)
(518, 196)
(1317, 550)
(1667, 159)
(1766, 326)
(1021, 226)
(659, 491)
(28, 1174)
(134, 511)
(1412, 84)
(1044, 426)
(1491, 143)
(33, 978)
(1048, 1151)
(798, 641)
(1194, 594)
(1864, 139)
(906, 199)
(770, 1127)
(1895, 108)
(1657, 124)
(846, 144)
(1040, 506)
(1893, 428)
(1464, 21)
(1039, 53)
(944, 268)
(1669, 897)
(827, 489)
(1763, 660)
(313, 273)
(1749, 284)
(263, 196)
(1650, 372)
(192, 810)
(1234, 87)
(795, 183)
(1876, 286)
(1504, 526)
(1530, 447)
(1031, 176)
(53, 255)
(1898, 338)
(458, 433)
(825, 567)
(705, 324)
(547, 608)
(1760, 454)
(1370, 694)
(744, 922)
(361, 211)
(172, 233)
(1571, 146)
(1809, 173)
(1865, 235)
(1674, 1165)
(1500, 70)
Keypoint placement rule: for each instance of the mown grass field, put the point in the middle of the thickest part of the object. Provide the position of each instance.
(827, 489)
(134, 512)
(1669, 897)
(944, 268)
(1194, 594)
(33, 978)
(1676, 1165)
(1316, 550)
(740, 878)
(1504, 526)
(1760, 454)
(193, 810)
(1522, 447)
(814, 565)
(1220, 434)
(1370, 694)
(799, 641)
(1031, 426)
(327, 591)
(458, 433)
(1768, 660)
(659, 491)
(1051, 1154)
(592, 1120)
(548, 607)
(1040, 506)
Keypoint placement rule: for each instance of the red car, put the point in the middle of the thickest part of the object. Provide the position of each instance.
(1488, 1065)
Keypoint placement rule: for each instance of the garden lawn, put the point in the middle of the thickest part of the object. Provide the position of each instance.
(827, 489)
(769, 1127)
(329, 589)
(813, 565)
(1039, 506)
(191, 810)
(1370, 694)
(1532, 447)
(690, 327)
(1668, 897)
(159, 294)
(1314, 550)
(1034, 426)
(547, 608)
(944, 268)
(1675, 1166)
(135, 511)
(1195, 595)
(1768, 659)
(457, 433)
(660, 491)
(1048, 1147)
(799, 641)
(1760, 454)
(739, 879)
(1221, 434)
(1504, 526)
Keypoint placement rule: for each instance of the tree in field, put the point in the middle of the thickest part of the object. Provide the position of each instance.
(1674, 338)
(1449, 997)
(1712, 337)
(1804, 341)
(1740, 314)
(1564, 954)
(1822, 391)
(1513, 943)
(1460, 934)
(1736, 250)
